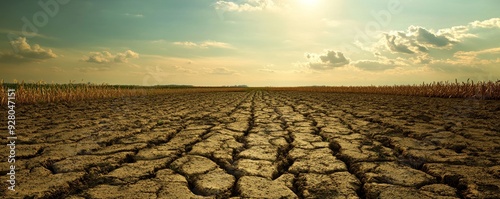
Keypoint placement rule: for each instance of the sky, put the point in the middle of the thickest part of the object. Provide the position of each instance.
(249, 42)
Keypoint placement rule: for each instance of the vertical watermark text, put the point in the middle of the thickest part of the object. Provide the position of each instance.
(11, 129)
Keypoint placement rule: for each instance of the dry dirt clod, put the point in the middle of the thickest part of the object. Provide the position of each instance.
(258, 187)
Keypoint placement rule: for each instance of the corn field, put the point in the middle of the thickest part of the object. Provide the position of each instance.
(40, 92)
(469, 89)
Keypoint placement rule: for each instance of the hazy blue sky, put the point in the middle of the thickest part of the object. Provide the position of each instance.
(252, 42)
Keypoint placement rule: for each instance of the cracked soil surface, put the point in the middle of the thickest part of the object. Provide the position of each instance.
(257, 144)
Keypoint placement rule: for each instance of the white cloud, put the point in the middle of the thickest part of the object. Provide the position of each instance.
(330, 59)
(159, 41)
(98, 57)
(26, 52)
(205, 44)
(490, 23)
(123, 57)
(267, 69)
(33, 52)
(482, 57)
(418, 40)
(106, 57)
(457, 32)
(247, 5)
(222, 71)
(186, 44)
(444, 50)
(215, 44)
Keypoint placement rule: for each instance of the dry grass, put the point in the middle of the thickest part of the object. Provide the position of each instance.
(40, 92)
(469, 89)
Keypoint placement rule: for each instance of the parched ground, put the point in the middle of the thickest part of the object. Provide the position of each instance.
(257, 144)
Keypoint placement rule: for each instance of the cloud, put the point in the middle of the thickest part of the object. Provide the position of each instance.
(400, 44)
(205, 44)
(328, 60)
(184, 70)
(418, 39)
(215, 44)
(26, 52)
(481, 57)
(267, 69)
(422, 59)
(186, 44)
(32, 52)
(247, 5)
(450, 66)
(98, 57)
(159, 41)
(374, 65)
(468, 62)
(457, 32)
(430, 39)
(414, 47)
(17, 33)
(490, 23)
(123, 57)
(134, 15)
(106, 57)
(381, 64)
(222, 71)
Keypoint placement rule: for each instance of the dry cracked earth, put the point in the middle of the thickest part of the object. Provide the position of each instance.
(257, 144)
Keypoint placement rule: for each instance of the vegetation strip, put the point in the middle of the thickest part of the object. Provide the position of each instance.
(30, 93)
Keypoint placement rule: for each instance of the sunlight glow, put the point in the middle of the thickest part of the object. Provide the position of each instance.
(309, 2)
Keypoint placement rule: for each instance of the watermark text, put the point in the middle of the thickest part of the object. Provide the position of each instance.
(11, 128)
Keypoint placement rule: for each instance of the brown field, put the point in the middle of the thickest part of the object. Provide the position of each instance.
(258, 143)
(29, 93)
(469, 89)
